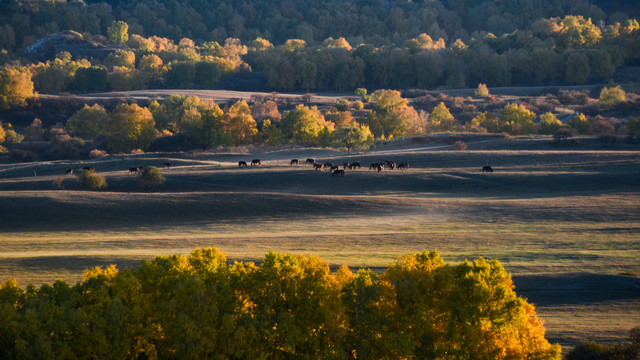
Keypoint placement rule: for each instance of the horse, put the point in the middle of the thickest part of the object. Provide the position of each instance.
(380, 167)
(334, 167)
(318, 167)
(255, 162)
(338, 172)
(166, 165)
(403, 166)
(242, 164)
(487, 168)
(69, 172)
(133, 170)
(310, 161)
(89, 168)
(346, 165)
(390, 164)
(376, 166)
(355, 165)
(328, 164)
(294, 162)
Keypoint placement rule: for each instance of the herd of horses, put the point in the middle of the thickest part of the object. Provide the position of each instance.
(317, 166)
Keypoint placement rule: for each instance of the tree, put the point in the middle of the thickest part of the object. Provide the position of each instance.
(34, 131)
(549, 123)
(577, 68)
(390, 115)
(202, 122)
(610, 96)
(482, 90)
(580, 123)
(93, 78)
(118, 32)
(130, 127)
(516, 119)
(87, 122)
(353, 137)
(303, 124)
(442, 119)
(91, 180)
(240, 123)
(150, 176)
(15, 87)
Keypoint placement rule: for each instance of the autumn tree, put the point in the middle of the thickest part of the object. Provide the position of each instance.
(482, 90)
(580, 124)
(549, 123)
(34, 131)
(353, 137)
(391, 116)
(610, 96)
(441, 119)
(303, 124)
(87, 122)
(239, 122)
(516, 119)
(15, 87)
(130, 127)
(201, 121)
(150, 176)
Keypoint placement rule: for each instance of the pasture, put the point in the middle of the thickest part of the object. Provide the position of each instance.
(565, 222)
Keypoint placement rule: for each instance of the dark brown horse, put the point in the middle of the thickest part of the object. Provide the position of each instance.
(338, 172)
(68, 172)
(166, 165)
(133, 170)
(390, 164)
(346, 165)
(487, 168)
(355, 165)
(255, 162)
(333, 168)
(294, 162)
(242, 164)
(328, 164)
(318, 167)
(403, 166)
(310, 161)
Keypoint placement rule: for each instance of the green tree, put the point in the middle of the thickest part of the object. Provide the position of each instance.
(87, 122)
(93, 78)
(610, 96)
(390, 115)
(130, 127)
(442, 119)
(516, 119)
(577, 68)
(15, 87)
(354, 137)
(549, 123)
(118, 32)
(303, 124)
(580, 124)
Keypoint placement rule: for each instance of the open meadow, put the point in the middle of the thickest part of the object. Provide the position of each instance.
(564, 220)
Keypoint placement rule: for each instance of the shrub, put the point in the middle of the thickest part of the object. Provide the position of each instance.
(150, 177)
(612, 95)
(23, 155)
(580, 123)
(57, 183)
(95, 153)
(91, 180)
(571, 97)
(460, 145)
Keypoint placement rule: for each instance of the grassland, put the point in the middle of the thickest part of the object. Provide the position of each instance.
(565, 221)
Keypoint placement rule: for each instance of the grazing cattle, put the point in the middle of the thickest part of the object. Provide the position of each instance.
(294, 162)
(310, 161)
(338, 172)
(68, 172)
(334, 167)
(390, 164)
(487, 169)
(89, 168)
(355, 165)
(166, 165)
(242, 164)
(318, 167)
(133, 170)
(255, 162)
(328, 164)
(403, 166)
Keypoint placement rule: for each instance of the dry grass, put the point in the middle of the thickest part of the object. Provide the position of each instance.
(551, 217)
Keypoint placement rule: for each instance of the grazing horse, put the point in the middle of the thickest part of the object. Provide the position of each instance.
(334, 167)
(133, 170)
(376, 166)
(294, 162)
(403, 166)
(318, 167)
(338, 172)
(89, 168)
(346, 165)
(328, 164)
(487, 168)
(355, 165)
(390, 164)
(255, 162)
(310, 161)
(68, 172)
(166, 165)
(242, 164)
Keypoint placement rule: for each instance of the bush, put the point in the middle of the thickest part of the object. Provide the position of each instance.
(95, 153)
(91, 180)
(571, 97)
(460, 145)
(611, 96)
(150, 177)
(482, 90)
(23, 155)
(57, 183)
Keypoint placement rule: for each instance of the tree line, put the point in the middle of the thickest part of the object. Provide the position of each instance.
(201, 306)
(429, 45)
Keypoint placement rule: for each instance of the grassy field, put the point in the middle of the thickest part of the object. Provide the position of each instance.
(564, 221)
